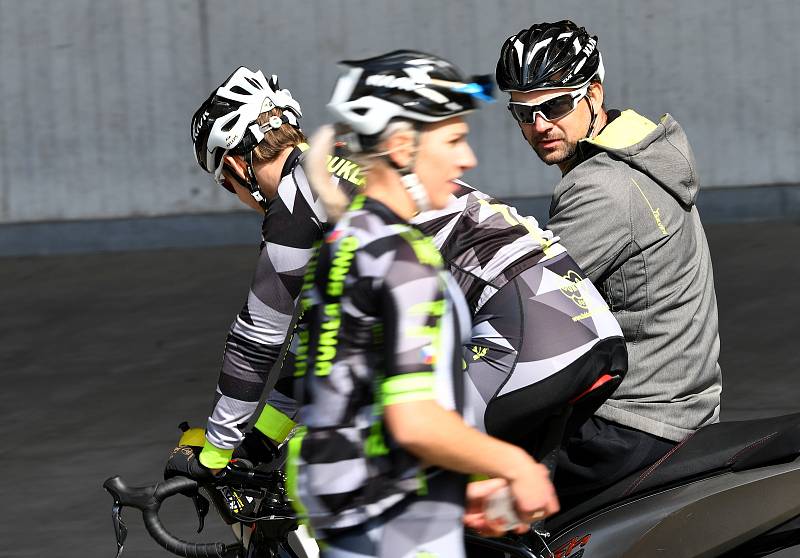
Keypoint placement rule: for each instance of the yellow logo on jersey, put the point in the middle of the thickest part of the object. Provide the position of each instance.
(480, 352)
(572, 291)
(344, 168)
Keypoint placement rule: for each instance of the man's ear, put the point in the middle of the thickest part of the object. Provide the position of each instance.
(237, 164)
(597, 95)
(400, 147)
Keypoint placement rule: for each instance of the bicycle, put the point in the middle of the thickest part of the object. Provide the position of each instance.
(254, 501)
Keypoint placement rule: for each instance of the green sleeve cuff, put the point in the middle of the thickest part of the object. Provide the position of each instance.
(214, 457)
(417, 386)
(274, 424)
(292, 467)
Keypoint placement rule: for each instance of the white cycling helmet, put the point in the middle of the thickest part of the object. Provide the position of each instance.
(227, 122)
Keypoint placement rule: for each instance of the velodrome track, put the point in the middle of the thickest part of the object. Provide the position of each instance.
(102, 356)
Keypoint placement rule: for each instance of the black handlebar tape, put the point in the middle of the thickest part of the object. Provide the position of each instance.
(148, 499)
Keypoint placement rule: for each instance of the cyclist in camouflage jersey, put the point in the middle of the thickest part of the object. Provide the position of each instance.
(380, 469)
(247, 134)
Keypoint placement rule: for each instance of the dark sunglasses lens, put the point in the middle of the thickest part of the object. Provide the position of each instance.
(225, 182)
(521, 113)
(558, 107)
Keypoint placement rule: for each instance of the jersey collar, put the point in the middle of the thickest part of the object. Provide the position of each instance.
(291, 160)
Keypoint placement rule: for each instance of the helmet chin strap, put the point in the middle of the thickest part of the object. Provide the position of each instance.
(417, 191)
(252, 182)
(592, 122)
(589, 132)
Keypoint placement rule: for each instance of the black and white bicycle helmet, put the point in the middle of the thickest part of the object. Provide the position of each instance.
(403, 84)
(226, 123)
(549, 55)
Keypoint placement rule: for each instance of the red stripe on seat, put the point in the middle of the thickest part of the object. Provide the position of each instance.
(602, 380)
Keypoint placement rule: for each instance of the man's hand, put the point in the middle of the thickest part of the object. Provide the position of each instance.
(183, 461)
(478, 494)
(534, 495)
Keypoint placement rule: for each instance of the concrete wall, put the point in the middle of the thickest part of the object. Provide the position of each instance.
(96, 95)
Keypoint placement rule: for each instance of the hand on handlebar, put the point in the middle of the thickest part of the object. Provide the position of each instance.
(260, 449)
(183, 461)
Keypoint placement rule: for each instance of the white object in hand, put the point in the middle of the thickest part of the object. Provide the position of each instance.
(500, 506)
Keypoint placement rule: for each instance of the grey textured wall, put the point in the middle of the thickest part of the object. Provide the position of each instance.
(96, 95)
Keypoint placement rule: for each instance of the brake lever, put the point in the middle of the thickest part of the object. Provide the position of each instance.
(201, 506)
(120, 530)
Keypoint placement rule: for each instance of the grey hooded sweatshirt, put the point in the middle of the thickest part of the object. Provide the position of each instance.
(626, 214)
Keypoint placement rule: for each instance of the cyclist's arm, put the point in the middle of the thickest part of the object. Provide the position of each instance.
(257, 335)
(417, 391)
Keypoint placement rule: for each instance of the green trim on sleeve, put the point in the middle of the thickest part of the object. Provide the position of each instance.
(292, 460)
(214, 457)
(416, 386)
(274, 424)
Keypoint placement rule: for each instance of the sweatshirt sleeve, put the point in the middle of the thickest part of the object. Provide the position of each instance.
(594, 223)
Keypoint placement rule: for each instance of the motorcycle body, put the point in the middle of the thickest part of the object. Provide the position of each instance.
(731, 490)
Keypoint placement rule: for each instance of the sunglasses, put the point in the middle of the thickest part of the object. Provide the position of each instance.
(226, 182)
(552, 109)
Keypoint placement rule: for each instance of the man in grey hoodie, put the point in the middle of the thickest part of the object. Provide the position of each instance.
(624, 209)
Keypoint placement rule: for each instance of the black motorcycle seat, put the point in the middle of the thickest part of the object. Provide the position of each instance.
(720, 447)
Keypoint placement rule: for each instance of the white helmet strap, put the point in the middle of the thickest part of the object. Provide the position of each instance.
(417, 191)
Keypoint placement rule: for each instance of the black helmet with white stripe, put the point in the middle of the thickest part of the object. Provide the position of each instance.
(227, 122)
(403, 84)
(547, 56)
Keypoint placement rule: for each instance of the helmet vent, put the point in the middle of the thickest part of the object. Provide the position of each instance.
(239, 90)
(253, 82)
(229, 125)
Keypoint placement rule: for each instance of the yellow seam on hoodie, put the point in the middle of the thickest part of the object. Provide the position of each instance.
(627, 129)
(656, 212)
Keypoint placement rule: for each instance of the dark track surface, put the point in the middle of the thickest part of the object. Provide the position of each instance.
(103, 355)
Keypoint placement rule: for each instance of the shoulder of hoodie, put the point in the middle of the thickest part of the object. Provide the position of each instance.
(604, 166)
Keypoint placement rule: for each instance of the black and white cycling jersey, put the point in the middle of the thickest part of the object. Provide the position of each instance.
(294, 221)
(485, 244)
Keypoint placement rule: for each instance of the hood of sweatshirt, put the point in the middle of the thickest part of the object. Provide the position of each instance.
(661, 151)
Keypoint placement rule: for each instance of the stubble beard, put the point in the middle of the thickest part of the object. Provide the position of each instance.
(554, 157)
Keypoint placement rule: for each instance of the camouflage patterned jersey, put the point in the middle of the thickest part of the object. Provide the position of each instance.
(294, 222)
(486, 243)
(539, 326)
(385, 326)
